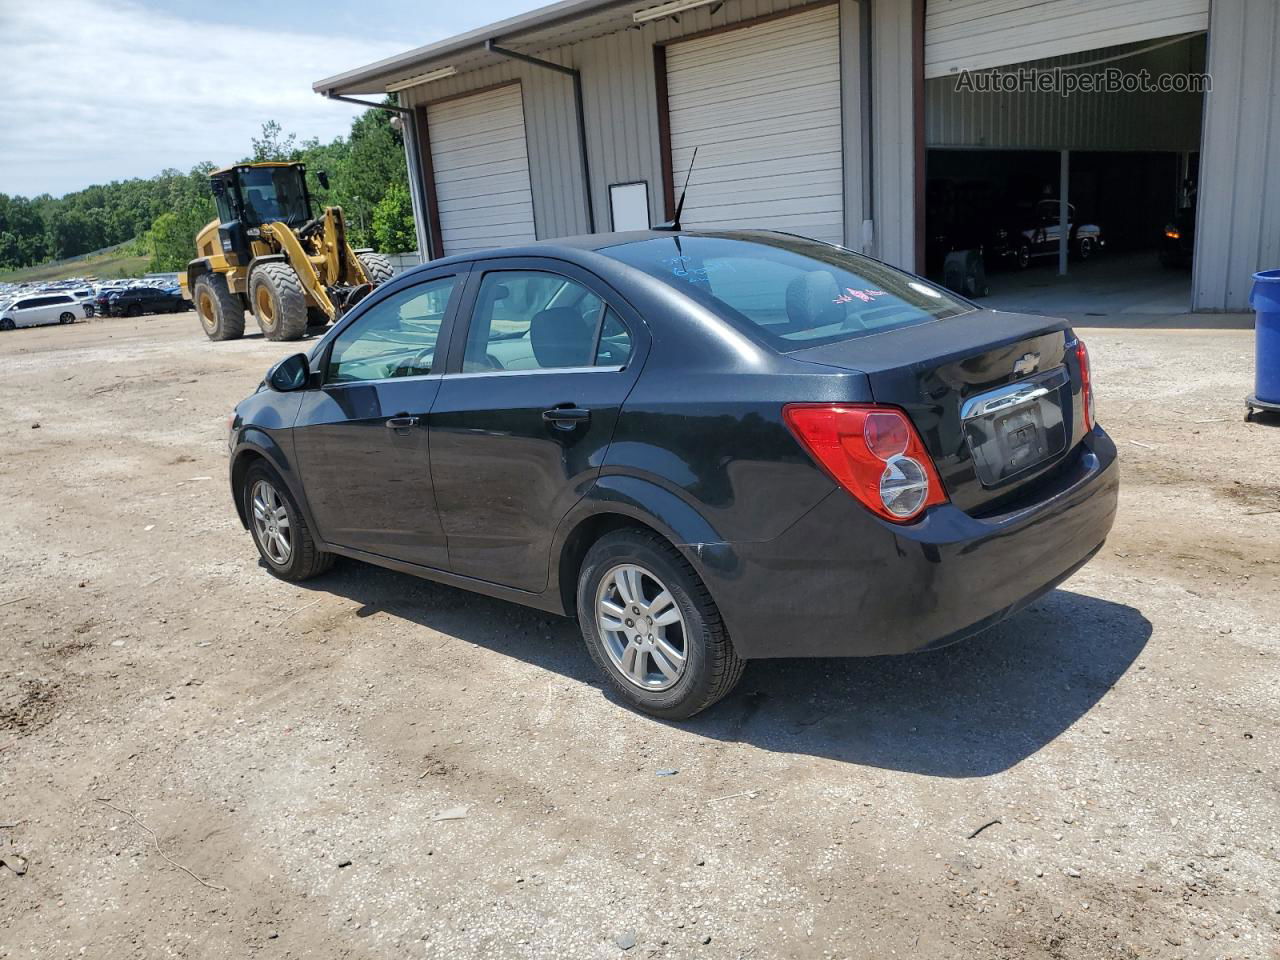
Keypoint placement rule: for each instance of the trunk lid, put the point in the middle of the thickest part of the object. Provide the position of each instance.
(995, 396)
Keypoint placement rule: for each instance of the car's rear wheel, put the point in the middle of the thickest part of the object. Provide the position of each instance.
(279, 531)
(67, 317)
(652, 627)
(133, 310)
(1022, 257)
(1084, 247)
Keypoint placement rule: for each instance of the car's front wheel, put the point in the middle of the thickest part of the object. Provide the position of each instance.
(67, 317)
(652, 627)
(279, 530)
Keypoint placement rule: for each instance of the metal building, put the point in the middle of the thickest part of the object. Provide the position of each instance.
(814, 117)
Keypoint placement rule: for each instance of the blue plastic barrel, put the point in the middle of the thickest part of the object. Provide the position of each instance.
(1265, 300)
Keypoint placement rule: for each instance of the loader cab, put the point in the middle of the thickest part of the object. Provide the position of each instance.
(251, 194)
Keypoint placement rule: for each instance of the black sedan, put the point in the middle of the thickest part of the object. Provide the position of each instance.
(708, 447)
(135, 301)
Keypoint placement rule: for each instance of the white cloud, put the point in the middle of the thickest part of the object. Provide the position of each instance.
(98, 90)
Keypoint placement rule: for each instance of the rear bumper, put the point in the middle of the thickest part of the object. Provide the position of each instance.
(841, 582)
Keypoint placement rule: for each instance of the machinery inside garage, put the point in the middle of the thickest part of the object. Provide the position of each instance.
(1001, 159)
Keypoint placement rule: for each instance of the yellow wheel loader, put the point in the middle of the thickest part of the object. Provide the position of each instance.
(268, 253)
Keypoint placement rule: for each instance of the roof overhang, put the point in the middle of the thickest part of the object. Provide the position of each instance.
(557, 24)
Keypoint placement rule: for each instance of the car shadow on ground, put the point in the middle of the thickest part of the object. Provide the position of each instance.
(968, 710)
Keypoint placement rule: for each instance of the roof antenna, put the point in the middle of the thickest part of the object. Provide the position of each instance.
(674, 223)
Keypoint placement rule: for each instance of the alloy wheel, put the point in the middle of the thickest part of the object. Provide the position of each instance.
(642, 628)
(271, 523)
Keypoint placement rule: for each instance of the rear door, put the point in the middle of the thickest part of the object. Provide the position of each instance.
(537, 376)
(361, 438)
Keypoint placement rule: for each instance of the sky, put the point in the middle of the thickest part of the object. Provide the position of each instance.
(101, 90)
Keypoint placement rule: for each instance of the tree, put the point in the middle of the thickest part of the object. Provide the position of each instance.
(393, 227)
(274, 144)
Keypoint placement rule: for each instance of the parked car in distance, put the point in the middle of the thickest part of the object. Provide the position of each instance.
(708, 447)
(135, 301)
(1023, 236)
(32, 310)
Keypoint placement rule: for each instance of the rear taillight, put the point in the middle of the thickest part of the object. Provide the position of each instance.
(873, 452)
(1086, 385)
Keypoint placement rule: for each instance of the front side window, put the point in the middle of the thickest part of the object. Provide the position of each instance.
(394, 338)
(791, 291)
(535, 320)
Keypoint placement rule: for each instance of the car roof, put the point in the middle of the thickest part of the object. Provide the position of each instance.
(592, 243)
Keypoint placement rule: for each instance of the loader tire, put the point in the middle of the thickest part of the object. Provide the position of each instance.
(221, 312)
(317, 320)
(377, 267)
(278, 302)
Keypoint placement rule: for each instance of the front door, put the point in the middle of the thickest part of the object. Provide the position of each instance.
(526, 411)
(361, 438)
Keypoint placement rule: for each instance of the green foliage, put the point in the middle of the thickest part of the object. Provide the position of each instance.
(274, 144)
(368, 179)
(393, 230)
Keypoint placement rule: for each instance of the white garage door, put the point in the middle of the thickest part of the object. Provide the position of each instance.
(977, 34)
(481, 167)
(762, 105)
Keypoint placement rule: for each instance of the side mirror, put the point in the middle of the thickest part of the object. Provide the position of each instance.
(291, 373)
(323, 177)
(217, 187)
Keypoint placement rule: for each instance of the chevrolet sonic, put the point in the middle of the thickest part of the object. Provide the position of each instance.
(709, 447)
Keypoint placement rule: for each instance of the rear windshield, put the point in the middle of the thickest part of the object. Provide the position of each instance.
(792, 291)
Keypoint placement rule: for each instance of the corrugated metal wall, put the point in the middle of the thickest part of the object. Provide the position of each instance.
(1238, 225)
(1084, 121)
(621, 114)
(554, 167)
(974, 34)
(893, 158)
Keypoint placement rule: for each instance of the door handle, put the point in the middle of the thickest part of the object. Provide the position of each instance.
(402, 423)
(566, 417)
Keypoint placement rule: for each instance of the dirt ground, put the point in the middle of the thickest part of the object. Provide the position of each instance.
(294, 747)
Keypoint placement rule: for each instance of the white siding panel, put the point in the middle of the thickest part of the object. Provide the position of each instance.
(481, 162)
(762, 107)
(1238, 218)
(978, 34)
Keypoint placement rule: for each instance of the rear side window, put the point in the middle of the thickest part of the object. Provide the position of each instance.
(791, 291)
(535, 320)
(394, 338)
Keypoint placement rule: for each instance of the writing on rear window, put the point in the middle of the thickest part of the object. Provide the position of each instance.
(851, 294)
(684, 268)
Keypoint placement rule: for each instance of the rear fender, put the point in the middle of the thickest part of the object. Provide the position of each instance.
(647, 503)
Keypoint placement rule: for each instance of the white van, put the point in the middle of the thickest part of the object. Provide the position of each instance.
(31, 310)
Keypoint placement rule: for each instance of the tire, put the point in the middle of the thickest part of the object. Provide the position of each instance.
(6, 324)
(67, 317)
(377, 267)
(285, 545)
(317, 320)
(278, 302)
(1022, 257)
(220, 311)
(134, 310)
(1085, 247)
(615, 566)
